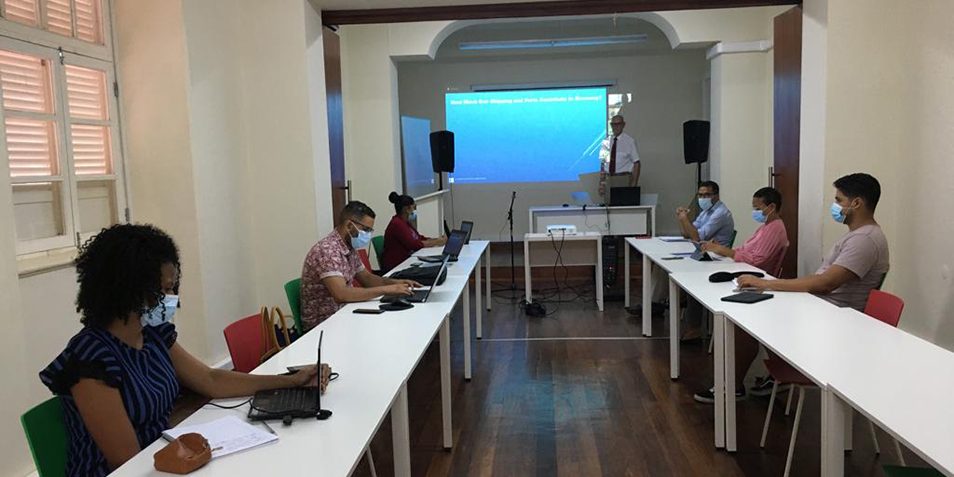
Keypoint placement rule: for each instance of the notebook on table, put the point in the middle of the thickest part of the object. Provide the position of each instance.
(226, 435)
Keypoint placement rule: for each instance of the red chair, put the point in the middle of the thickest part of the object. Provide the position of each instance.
(882, 306)
(245, 342)
(363, 255)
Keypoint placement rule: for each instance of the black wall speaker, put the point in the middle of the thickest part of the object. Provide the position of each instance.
(442, 151)
(695, 141)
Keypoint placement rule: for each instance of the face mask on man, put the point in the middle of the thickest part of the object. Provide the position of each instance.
(705, 203)
(362, 240)
(162, 312)
(837, 213)
(758, 216)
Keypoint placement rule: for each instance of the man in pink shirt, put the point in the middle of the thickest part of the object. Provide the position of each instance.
(766, 250)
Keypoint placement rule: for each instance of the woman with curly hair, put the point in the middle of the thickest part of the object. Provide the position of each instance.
(119, 376)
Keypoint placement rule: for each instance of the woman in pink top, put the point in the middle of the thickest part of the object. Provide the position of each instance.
(766, 250)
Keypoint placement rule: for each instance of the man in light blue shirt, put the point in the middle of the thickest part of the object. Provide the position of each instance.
(713, 223)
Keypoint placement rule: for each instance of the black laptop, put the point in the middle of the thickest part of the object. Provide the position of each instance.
(624, 196)
(455, 242)
(466, 226)
(295, 402)
(419, 296)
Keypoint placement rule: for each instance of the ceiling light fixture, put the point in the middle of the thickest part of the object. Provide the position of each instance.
(552, 43)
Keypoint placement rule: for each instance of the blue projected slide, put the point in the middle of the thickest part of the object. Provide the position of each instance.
(526, 136)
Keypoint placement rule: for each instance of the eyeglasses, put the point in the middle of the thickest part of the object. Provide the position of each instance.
(362, 227)
(617, 124)
(703, 195)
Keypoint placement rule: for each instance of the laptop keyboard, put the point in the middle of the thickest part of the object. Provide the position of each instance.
(291, 399)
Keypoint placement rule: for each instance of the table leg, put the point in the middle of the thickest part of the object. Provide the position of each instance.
(599, 274)
(625, 274)
(833, 434)
(479, 308)
(728, 329)
(489, 282)
(647, 296)
(467, 370)
(718, 374)
(674, 333)
(400, 434)
(526, 271)
(446, 382)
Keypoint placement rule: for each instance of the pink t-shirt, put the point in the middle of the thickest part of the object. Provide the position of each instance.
(765, 249)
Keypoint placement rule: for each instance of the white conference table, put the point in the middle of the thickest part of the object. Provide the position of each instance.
(660, 252)
(558, 240)
(857, 361)
(375, 355)
(882, 373)
(468, 262)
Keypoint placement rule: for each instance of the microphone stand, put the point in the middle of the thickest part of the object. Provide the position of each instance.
(513, 279)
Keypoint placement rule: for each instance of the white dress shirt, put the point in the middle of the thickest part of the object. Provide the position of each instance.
(626, 154)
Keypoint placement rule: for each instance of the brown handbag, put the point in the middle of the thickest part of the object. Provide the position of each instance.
(185, 454)
(272, 324)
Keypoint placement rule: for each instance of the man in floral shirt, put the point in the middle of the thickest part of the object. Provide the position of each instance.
(333, 264)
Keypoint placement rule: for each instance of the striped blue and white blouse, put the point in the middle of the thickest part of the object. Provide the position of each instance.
(145, 377)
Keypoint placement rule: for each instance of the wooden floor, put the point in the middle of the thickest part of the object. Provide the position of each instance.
(582, 393)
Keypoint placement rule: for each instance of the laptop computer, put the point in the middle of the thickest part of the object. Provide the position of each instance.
(419, 296)
(294, 402)
(624, 196)
(468, 227)
(455, 242)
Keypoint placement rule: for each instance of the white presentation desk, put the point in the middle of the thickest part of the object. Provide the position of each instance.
(375, 355)
(584, 248)
(623, 219)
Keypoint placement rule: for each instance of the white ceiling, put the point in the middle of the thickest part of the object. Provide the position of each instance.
(369, 4)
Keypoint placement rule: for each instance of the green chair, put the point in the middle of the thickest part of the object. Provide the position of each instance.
(378, 244)
(732, 240)
(46, 435)
(293, 292)
(899, 471)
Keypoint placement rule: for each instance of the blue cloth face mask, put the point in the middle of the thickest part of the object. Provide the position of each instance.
(162, 312)
(705, 203)
(413, 216)
(837, 213)
(758, 216)
(362, 240)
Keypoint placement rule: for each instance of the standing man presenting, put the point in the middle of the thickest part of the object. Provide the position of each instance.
(620, 159)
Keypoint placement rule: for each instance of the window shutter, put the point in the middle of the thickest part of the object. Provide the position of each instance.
(21, 11)
(25, 81)
(31, 141)
(91, 152)
(88, 24)
(59, 17)
(31, 147)
(86, 93)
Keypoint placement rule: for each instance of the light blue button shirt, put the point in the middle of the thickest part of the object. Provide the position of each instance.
(715, 224)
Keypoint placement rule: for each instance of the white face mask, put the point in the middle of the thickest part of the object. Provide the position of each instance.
(162, 312)
(705, 203)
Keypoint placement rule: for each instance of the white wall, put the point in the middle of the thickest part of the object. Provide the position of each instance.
(741, 144)
(666, 88)
(888, 114)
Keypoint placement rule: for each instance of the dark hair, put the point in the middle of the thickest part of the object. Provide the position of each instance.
(769, 196)
(710, 184)
(860, 185)
(400, 201)
(119, 271)
(356, 210)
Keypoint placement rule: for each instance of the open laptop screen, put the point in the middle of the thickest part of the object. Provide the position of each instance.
(455, 243)
(467, 227)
